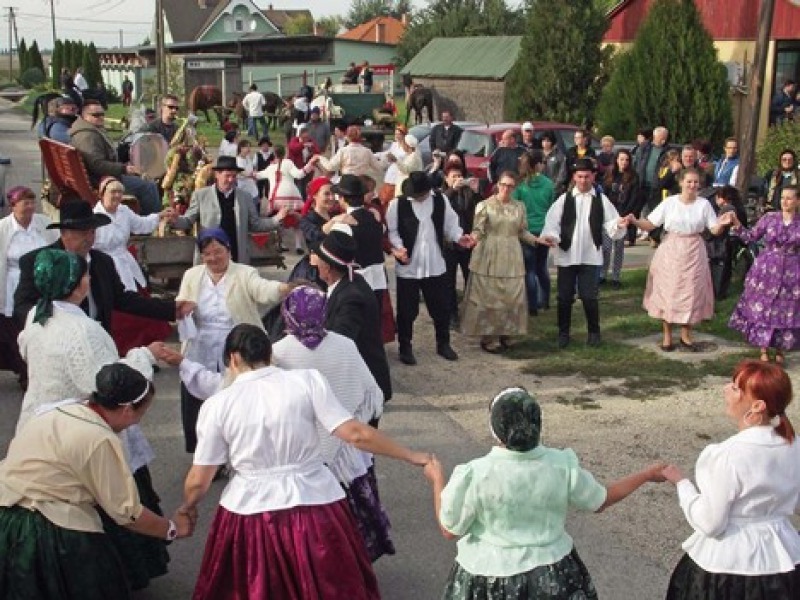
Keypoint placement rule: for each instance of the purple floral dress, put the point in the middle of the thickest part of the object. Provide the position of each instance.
(768, 312)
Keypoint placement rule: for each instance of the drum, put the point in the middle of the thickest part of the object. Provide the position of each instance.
(148, 153)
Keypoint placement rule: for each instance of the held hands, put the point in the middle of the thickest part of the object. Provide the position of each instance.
(166, 354)
(400, 255)
(169, 215)
(183, 308)
(729, 218)
(547, 241)
(185, 520)
(132, 170)
(672, 473)
(281, 214)
(467, 241)
(655, 472)
(433, 471)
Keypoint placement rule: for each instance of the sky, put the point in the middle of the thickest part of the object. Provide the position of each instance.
(100, 21)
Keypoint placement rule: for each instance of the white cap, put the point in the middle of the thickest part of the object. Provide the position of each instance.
(527, 126)
(411, 141)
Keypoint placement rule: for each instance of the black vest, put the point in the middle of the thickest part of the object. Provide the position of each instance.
(368, 235)
(569, 216)
(408, 224)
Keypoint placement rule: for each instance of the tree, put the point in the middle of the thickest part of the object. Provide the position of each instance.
(35, 57)
(22, 56)
(91, 65)
(57, 63)
(362, 11)
(301, 24)
(329, 26)
(458, 18)
(561, 62)
(671, 76)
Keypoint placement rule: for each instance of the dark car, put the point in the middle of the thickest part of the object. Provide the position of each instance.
(478, 143)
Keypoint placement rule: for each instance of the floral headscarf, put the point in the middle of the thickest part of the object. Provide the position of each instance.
(303, 310)
(56, 273)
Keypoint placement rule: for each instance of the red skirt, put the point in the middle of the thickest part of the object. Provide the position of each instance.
(132, 331)
(292, 554)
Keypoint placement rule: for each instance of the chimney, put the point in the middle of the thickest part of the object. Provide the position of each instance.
(380, 32)
(404, 19)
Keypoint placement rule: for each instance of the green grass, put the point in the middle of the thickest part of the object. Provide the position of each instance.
(641, 372)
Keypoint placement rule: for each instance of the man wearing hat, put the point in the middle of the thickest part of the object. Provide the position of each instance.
(574, 224)
(107, 293)
(352, 309)
(232, 210)
(99, 153)
(56, 127)
(420, 222)
(529, 141)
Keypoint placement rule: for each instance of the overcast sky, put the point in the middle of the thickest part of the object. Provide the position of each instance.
(100, 21)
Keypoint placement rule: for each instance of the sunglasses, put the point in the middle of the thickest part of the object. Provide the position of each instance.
(97, 115)
(172, 106)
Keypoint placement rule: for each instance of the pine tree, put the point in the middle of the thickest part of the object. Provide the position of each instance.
(22, 56)
(35, 57)
(671, 77)
(91, 65)
(561, 62)
(57, 63)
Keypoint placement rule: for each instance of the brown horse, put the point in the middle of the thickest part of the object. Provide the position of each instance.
(421, 98)
(204, 97)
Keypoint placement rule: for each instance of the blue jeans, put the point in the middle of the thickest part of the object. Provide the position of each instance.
(537, 277)
(252, 126)
(146, 192)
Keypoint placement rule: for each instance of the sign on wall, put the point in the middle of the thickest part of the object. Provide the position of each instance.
(205, 64)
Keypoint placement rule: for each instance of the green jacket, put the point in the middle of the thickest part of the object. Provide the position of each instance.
(537, 195)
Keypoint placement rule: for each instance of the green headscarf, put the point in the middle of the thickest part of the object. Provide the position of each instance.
(56, 273)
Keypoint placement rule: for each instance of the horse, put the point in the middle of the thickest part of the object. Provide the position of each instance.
(276, 109)
(420, 99)
(204, 97)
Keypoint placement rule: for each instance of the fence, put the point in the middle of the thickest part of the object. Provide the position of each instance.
(286, 84)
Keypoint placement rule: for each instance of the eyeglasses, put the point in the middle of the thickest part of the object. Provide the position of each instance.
(506, 185)
(97, 115)
(172, 106)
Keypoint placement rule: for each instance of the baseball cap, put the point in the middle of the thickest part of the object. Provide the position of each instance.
(527, 126)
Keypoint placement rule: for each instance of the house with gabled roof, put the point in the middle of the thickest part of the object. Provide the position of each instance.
(217, 20)
(380, 30)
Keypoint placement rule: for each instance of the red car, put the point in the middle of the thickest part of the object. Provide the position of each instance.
(478, 143)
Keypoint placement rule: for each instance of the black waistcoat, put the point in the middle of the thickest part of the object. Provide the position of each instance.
(569, 216)
(408, 224)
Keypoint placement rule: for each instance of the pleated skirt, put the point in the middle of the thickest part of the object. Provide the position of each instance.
(293, 554)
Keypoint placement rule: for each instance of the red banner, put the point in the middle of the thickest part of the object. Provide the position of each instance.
(382, 69)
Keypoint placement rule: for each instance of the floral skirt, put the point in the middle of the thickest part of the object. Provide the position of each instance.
(567, 579)
(41, 560)
(292, 554)
(373, 522)
(690, 582)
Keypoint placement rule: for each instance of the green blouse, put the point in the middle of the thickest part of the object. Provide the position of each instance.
(510, 508)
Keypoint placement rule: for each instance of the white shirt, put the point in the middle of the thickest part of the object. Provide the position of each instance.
(677, 217)
(113, 240)
(426, 256)
(23, 240)
(244, 179)
(264, 425)
(227, 148)
(392, 172)
(80, 82)
(582, 251)
(253, 103)
(213, 321)
(749, 486)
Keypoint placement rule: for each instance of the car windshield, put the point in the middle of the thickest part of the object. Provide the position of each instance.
(475, 143)
(420, 131)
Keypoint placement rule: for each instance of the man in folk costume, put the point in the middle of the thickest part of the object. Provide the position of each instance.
(419, 222)
(575, 223)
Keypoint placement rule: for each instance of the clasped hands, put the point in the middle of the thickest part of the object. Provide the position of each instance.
(185, 519)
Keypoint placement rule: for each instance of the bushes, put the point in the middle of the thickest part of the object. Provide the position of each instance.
(32, 77)
(779, 138)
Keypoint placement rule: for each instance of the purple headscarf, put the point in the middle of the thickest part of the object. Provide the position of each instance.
(303, 310)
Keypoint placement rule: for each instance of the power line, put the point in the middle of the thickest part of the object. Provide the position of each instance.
(83, 19)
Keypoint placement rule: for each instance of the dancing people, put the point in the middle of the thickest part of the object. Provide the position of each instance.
(509, 509)
(744, 546)
(768, 311)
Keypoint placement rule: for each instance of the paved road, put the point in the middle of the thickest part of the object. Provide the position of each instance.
(418, 416)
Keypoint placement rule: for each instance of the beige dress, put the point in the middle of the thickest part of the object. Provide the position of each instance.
(495, 301)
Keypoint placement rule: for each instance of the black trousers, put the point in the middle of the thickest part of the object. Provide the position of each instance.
(456, 258)
(190, 409)
(436, 293)
(586, 278)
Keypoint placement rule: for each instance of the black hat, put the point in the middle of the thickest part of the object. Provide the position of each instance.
(583, 164)
(79, 215)
(417, 183)
(65, 101)
(227, 163)
(338, 249)
(349, 186)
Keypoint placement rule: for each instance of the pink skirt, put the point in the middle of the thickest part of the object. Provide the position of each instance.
(679, 288)
(292, 554)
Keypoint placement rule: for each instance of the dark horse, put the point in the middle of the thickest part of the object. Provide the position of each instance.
(204, 97)
(276, 109)
(42, 102)
(420, 99)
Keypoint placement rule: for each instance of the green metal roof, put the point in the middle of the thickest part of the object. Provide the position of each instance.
(466, 57)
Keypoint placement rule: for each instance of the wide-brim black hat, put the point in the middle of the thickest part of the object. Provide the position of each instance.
(350, 186)
(417, 183)
(338, 249)
(79, 215)
(227, 163)
(584, 164)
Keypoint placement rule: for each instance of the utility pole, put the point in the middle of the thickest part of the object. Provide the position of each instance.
(53, 21)
(161, 83)
(121, 45)
(755, 92)
(10, 43)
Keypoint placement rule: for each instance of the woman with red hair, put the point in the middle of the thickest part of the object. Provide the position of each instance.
(744, 547)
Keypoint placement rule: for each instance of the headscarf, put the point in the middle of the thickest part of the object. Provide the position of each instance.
(516, 419)
(56, 273)
(303, 311)
(311, 191)
(17, 193)
(214, 233)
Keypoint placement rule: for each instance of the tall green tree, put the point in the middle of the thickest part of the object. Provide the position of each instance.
(561, 63)
(35, 57)
(91, 65)
(458, 18)
(671, 76)
(301, 24)
(22, 56)
(57, 63)
(362, 11)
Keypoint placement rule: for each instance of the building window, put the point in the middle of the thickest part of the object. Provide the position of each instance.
(238, 24)
(787, 66)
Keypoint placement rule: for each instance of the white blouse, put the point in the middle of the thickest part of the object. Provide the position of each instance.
(264, 426)
(749, 487)
(213, 321)
(22, 241)
(677, 217)
(244, 180)
(113, 240)
(338, 360)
